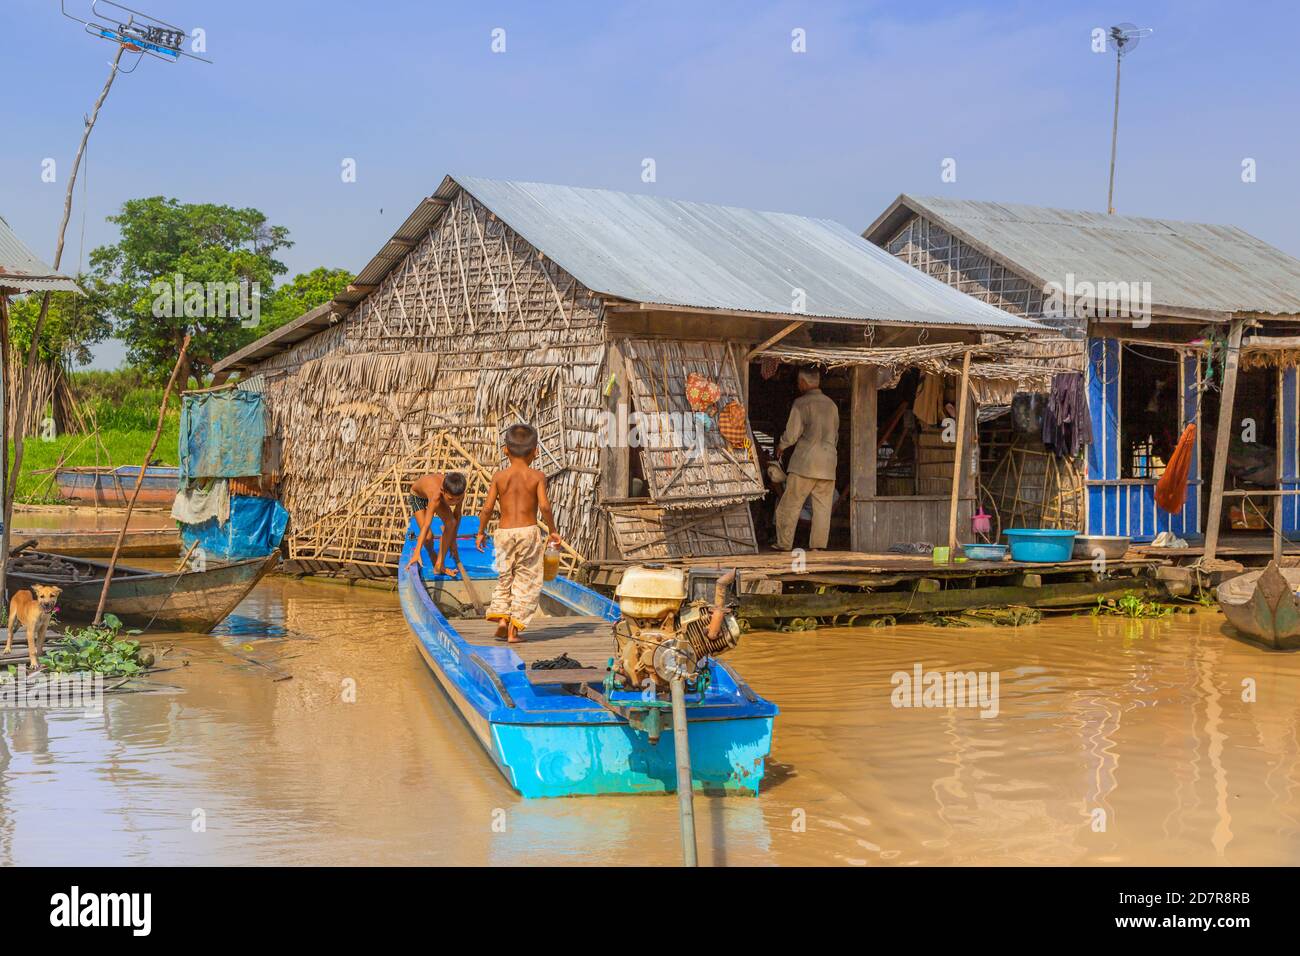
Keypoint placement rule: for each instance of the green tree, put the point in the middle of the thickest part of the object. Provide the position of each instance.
(303, 294)
(174, 269)
(74, 324)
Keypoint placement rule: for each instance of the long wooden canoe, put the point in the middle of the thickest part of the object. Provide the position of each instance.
(193, 601)
(138, 543)
(1263, 607)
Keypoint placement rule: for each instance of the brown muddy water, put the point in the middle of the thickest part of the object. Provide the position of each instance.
(1114, 743)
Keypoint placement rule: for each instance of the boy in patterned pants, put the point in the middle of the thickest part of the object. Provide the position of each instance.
(520, 492)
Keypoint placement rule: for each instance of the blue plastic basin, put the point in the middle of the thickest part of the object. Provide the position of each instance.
(1041, 545)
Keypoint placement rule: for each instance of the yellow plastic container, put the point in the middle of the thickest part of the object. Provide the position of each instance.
(551, 564)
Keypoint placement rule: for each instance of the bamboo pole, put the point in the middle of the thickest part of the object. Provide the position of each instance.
(11, 488)
(1222, 437)
(9, 485)
(139, 481)
(963, 400)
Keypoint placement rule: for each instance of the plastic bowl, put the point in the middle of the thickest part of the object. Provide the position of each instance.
(985, 552)
(1040, 545)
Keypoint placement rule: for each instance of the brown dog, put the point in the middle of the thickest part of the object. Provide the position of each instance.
(32, 608)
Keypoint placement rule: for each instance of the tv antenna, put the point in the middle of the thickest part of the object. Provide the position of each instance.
(135, 32)
(1123, 39)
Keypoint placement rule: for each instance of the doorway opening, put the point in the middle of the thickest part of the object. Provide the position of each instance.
(1252, 453)
(772, 391)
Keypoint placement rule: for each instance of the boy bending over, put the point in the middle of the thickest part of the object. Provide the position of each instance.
(441, 495)
(520, 492)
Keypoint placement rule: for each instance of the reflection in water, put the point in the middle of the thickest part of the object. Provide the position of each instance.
(1144, 722)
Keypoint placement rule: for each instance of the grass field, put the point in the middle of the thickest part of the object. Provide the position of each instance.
(126, 410)
(124, 447)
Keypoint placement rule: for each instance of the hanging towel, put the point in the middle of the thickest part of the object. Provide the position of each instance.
(1171, 489)
(197, 501)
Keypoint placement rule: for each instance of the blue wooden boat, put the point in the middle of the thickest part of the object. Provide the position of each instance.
(112, 487)
(559, 733)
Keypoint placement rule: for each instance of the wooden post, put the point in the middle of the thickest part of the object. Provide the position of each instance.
(1222, 437)
(139, 481)
(862, 450)
(963, 399)
(1277, 458)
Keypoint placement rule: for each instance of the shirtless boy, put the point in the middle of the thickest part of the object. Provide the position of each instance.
(520, 492)
(441, 495)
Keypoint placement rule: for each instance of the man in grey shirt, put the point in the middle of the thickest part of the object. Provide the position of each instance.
(813, 430)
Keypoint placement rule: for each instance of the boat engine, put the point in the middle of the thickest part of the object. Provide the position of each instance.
(671, 623)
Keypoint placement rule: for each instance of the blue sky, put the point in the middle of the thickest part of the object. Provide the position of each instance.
(711, 91)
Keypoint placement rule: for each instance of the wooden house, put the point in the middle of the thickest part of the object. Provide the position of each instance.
(1172, 319)
(586, 312)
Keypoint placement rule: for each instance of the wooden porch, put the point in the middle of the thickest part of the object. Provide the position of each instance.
(845, 584)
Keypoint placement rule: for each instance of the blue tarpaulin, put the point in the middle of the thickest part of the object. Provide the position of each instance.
(221, 435)
(254, 530)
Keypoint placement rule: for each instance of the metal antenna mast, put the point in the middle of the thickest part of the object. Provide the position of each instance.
(1122, 39)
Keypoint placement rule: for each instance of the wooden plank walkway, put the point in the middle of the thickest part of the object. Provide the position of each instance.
(589, 640)
(854, 568)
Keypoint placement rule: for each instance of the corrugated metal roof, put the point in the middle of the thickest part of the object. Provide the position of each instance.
(674, 253)
(1190, 265)
(20, 268)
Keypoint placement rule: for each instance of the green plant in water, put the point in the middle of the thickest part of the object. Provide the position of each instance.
(99, 648)
(1132, 605)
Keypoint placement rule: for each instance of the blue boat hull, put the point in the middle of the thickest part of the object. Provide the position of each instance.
(548, 742)
(113, 487)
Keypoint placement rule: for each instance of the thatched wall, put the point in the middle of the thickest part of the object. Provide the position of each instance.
(473, 329)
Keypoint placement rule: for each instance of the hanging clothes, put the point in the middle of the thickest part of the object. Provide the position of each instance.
(1067, 423)
(197, 501)
(927, 406)
(1171, 489)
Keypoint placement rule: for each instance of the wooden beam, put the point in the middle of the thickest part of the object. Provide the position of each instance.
(1009, 332)
(774, 339)
(963, 400)
(1272, 342)
(1221, 438)
(867, 603)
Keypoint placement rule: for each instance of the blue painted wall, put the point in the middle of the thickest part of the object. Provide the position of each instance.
(1289, 452)
(1127, 506)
